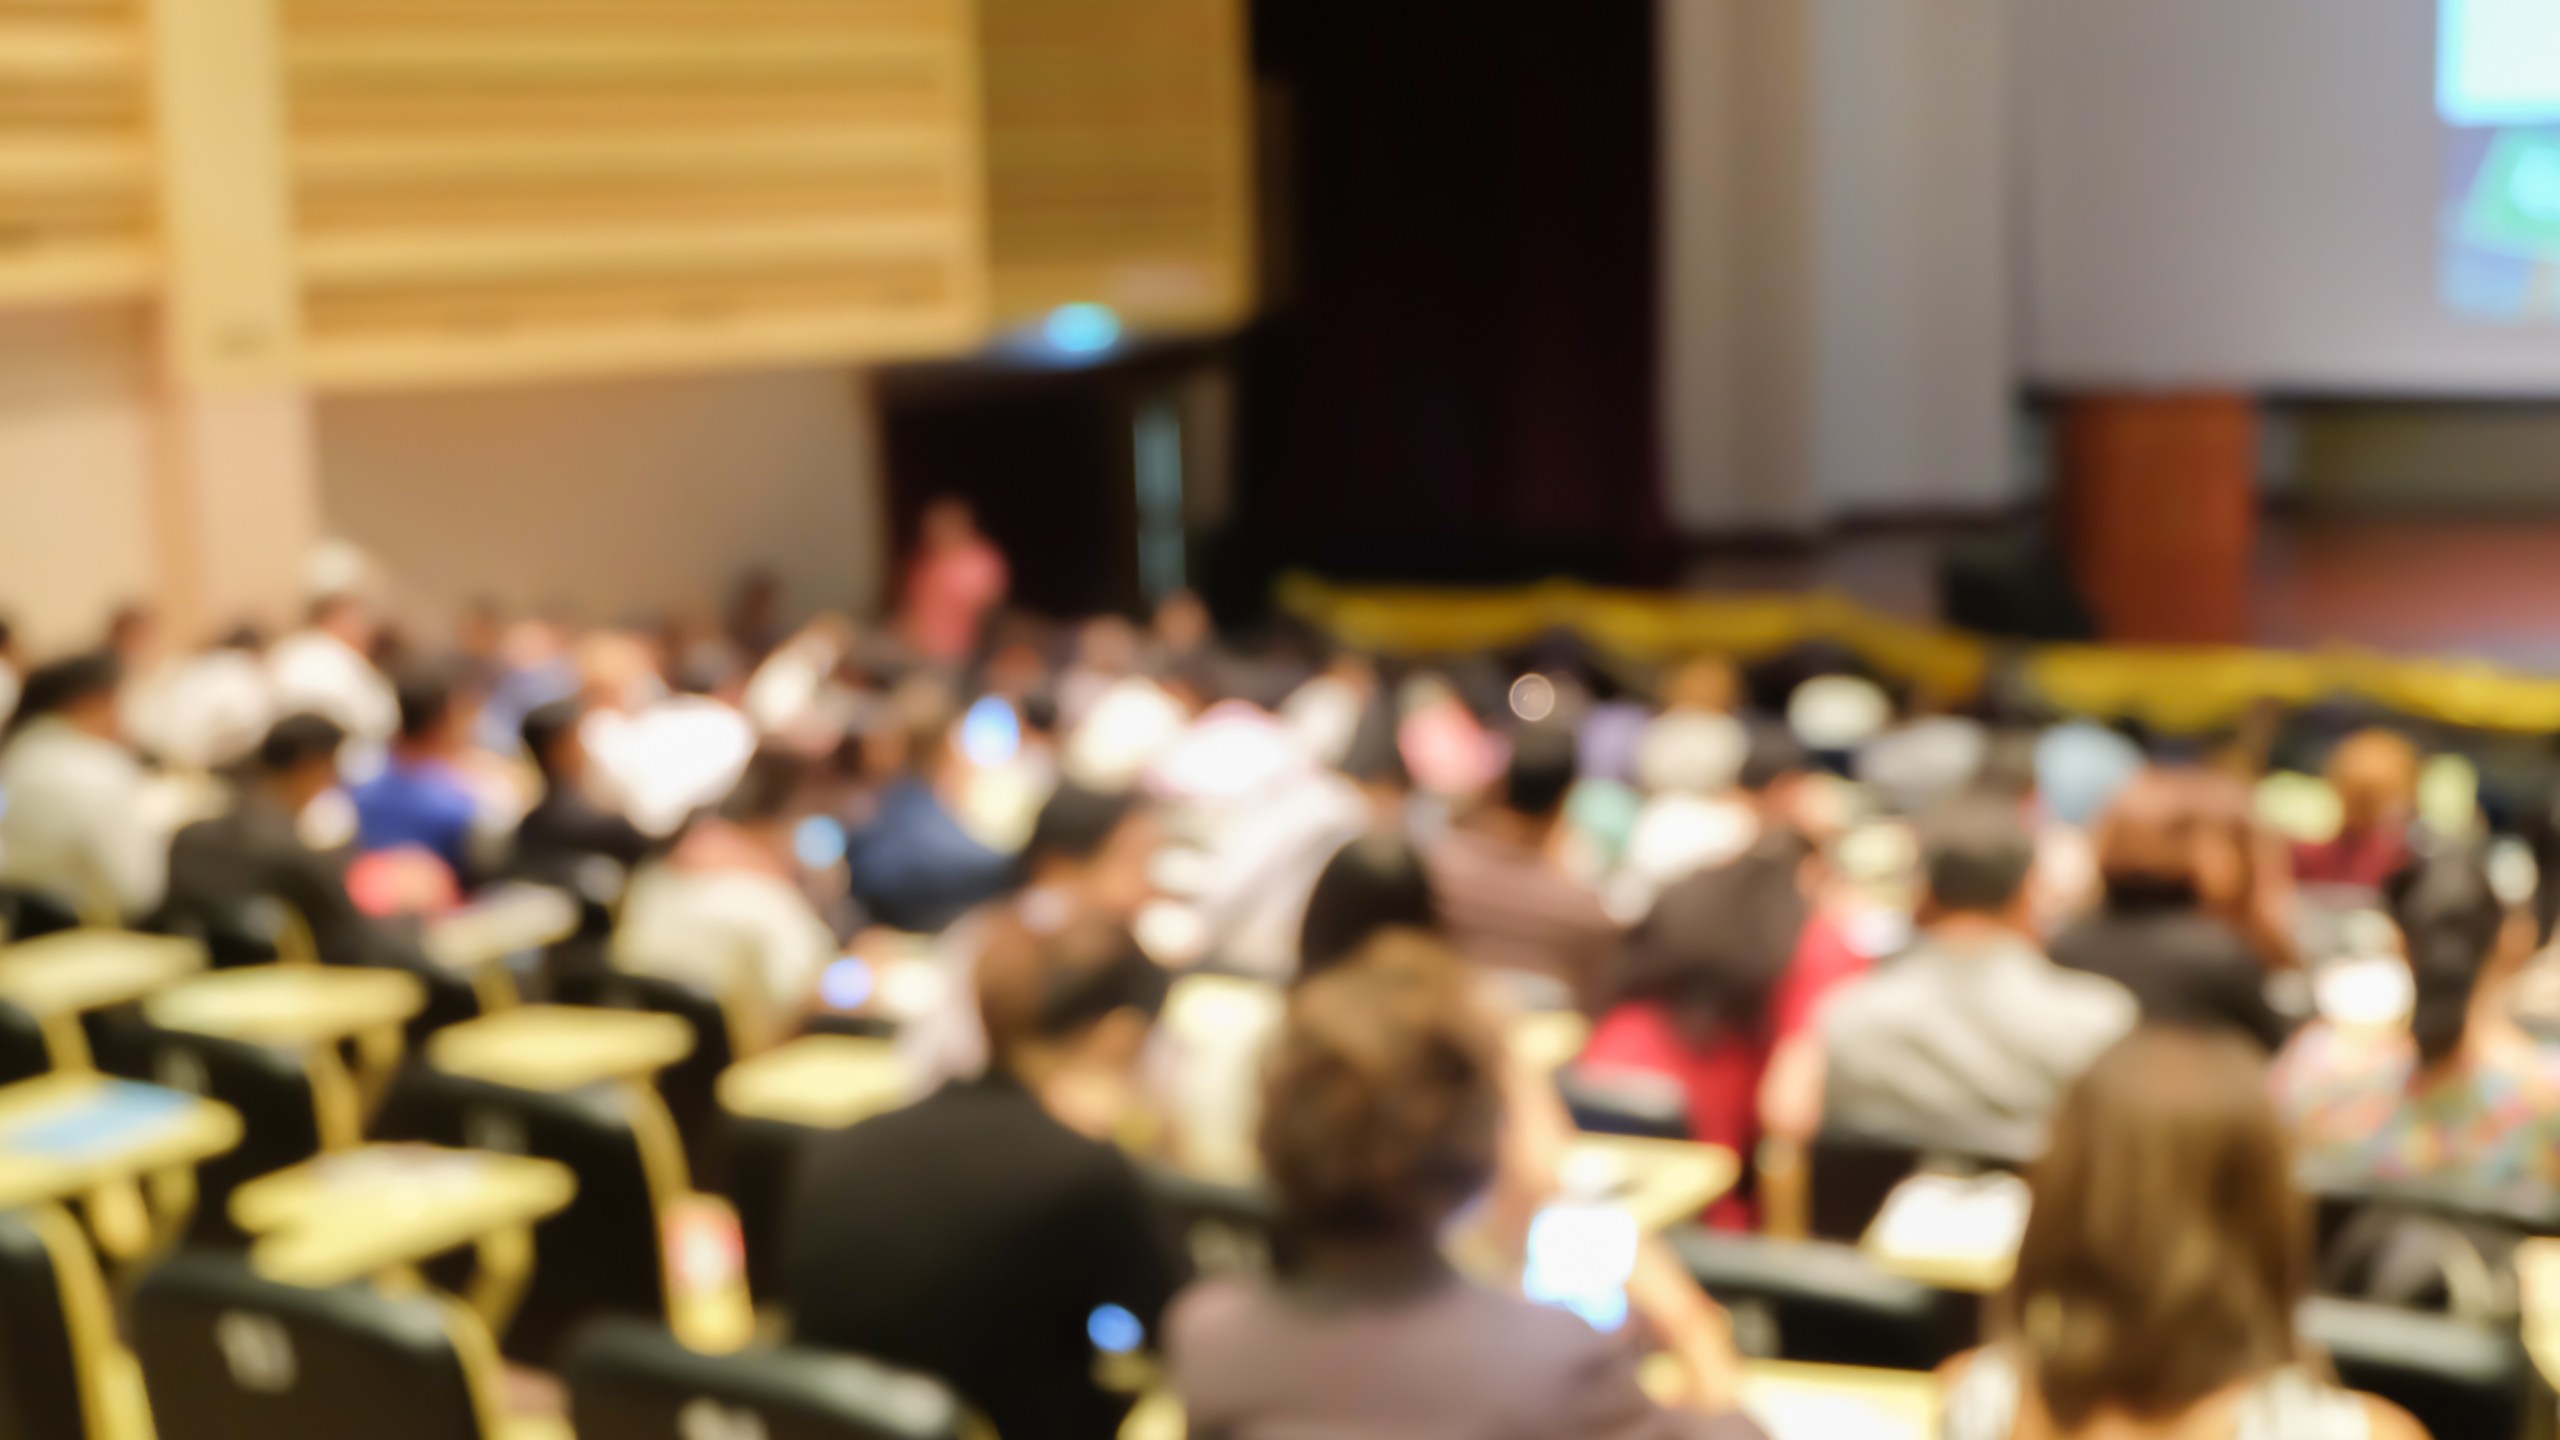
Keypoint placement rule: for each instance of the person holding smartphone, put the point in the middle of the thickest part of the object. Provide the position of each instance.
(1382, 1122)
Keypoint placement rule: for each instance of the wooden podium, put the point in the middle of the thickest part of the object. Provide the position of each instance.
(2159, 513)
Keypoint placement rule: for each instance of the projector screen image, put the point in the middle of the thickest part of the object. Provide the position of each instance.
(2498, 91)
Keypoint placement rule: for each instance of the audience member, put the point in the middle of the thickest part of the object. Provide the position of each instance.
(1016, 1237)
(724, 909)
(2165, 1255)
(2152, 932)
(76, 827)
(256, 849)
(1382, 1120)
(2375, 773)
(566, 827)
(1717, 981)
(955, 579)
(674, 754)
(1508, 901)
(1973, 1033)
(1375, 883)
(326, 668)
(421, 799)
(913, 866)
(2460, 1093)
(1089, 857)
(206, 711)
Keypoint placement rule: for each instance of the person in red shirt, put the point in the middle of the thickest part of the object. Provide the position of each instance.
(957, 576)
(1721, 987)
(2375, 773)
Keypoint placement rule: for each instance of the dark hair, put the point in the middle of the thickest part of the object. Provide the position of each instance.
(1036, 985)
(51, 689)
(544, 727)
(243, 636)
(1382, 1106)
(426, 694)
(1715, 945)
(1775, 754)
(1544, 761)
(1377, 882)
(772, 783)
(299, 740)
(1076, 822)
(1375, 758)
(2450, 919)
(1977, 855)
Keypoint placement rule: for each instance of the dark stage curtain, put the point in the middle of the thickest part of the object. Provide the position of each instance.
(1458, 375)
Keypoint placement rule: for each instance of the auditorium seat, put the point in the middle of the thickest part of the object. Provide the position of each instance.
(226, 1354)
(1229, 1229)
(31, 914)
(632, 1381)
(287, 1110)
(1624, 1102)
(601, 1255)
(2457, 1378)
(688, 1086)
(25, 1052)
(1853, 1171)
(60, 1366)
(1823, 1303)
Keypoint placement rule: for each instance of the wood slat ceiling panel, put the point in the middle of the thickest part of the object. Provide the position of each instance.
(75, 214)
(524, 184)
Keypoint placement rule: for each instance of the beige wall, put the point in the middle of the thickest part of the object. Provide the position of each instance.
(614, 497)
(76, 460)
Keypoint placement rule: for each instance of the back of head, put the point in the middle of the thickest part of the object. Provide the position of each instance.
(297, 742)
(1382, 1109)
(547, 729)
(2375, 773)
(1775, 757)
(426, 694)
(1977, 855)
(1544, 761)
(2167, 1246)
(1075, 823)
(1716, 944)
(770, 792)
(2148, 840)
(67, 685)
(1376, 883)
(2450, 919)
(1048, 985)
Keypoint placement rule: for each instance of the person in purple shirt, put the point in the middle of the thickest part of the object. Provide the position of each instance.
(1382, 1118)
(421, 798)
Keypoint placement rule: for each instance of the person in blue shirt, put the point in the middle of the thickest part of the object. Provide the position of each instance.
(421, 798)
(914, 867)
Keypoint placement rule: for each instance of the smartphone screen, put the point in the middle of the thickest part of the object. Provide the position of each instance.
(1581, 1256)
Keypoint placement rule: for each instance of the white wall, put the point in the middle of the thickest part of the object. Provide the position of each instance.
(77, 437)
(1836, 201)
(616, 497)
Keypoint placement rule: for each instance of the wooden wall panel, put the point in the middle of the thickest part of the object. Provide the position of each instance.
(490, 190)
(75, 162)
(1119, 158)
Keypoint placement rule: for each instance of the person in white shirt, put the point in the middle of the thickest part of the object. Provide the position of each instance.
(725, 911)
(76, 826)
(203, 712)
(326, 669)
(671, 757)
